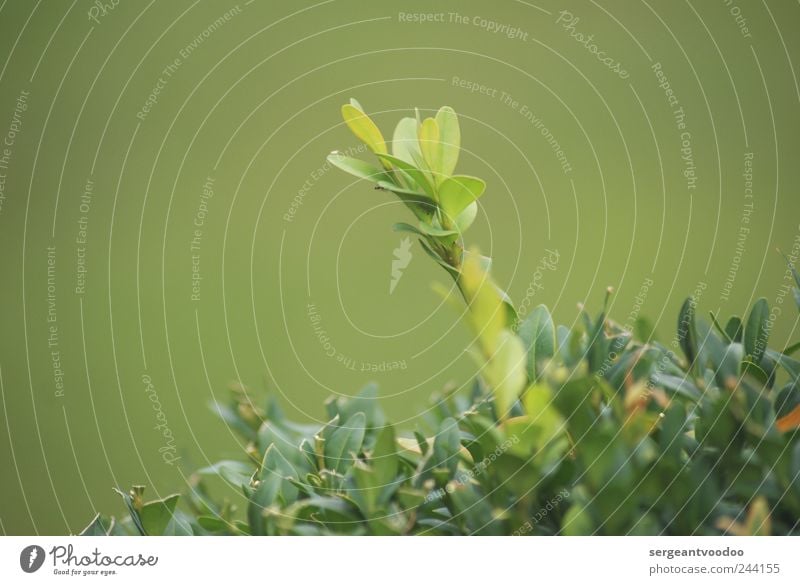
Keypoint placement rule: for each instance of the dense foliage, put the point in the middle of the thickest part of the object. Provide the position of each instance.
(593, 429)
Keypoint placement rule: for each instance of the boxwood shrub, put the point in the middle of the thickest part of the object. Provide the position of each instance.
(596, 428)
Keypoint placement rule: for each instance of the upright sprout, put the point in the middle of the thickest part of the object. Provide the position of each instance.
(420, 171)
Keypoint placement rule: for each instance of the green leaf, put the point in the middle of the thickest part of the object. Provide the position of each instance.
(405, 145)
(357, 168)
(542, 416)
(133, 501)
(364, 128)
(787, 400)
(236, 472)
(722, 331)
(450, 137)
(791, 349)
(756, 332)
(345, 441)
(456, 193)
(419, 203)
(447, 446)
(156, 516)
(276, 484)
(216, 524)
(577, 522)
(422, 442)
(384, 456)
(673, 427)
(423, 230)
(687, 334)
(727, 368)
(452, 270)
(793, 270)
(643, 329)
(486, 312)
(428, 136)
(733, 329)
(466, 217)
(679, 385)
(365, 400)
(538, 334)
(758, 521)
(417, 176)
(506, 372)
(791, 365)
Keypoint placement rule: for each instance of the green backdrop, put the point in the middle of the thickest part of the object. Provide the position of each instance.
(169, 227)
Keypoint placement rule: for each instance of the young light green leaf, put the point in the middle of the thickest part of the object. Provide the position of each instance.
(424, 229)
(505, 372)
(237, 473)
(364, 128)
(456, 193)
(450, 137)
(357, 168)
(417, 176)
(466, 217)
(418, 203)
(486, 313)
(405, 145)
(428, 135)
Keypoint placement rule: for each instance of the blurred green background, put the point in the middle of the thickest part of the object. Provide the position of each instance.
(221, 175)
